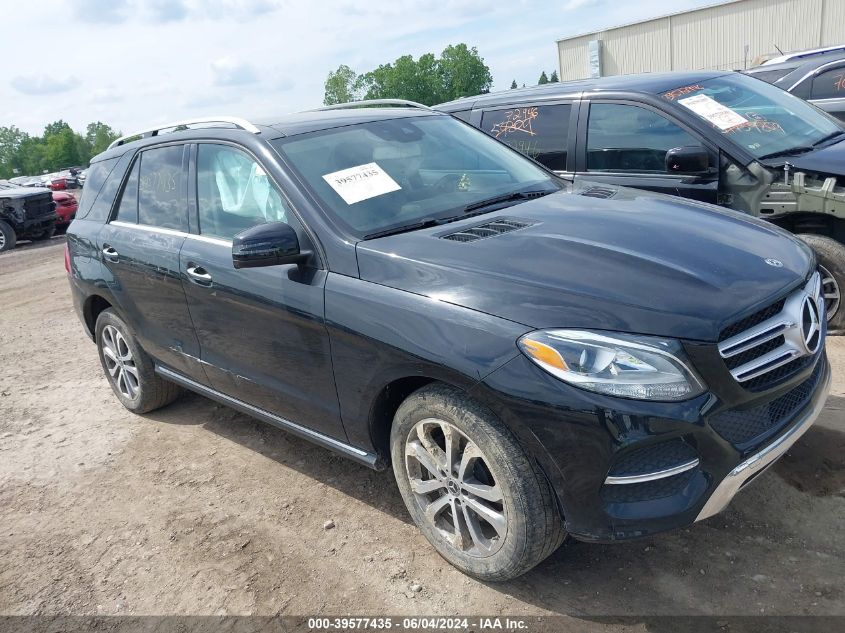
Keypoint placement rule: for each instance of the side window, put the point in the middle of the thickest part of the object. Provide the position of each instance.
(540, 132)
(233, 192)
(162, 199)
(97, 174)
(463, 115)
(829, 84)
(630, 138)
(127, 210)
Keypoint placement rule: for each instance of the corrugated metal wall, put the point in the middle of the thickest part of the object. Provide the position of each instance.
(709, 38)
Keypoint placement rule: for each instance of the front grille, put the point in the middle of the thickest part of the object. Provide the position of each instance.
(488, 229)
(36, 206)
(653, 458)
(771, 345)
(746, 428)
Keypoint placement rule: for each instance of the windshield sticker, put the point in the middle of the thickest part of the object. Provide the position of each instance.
(757, 123)
(361, 183)
(721, 116)
(680, 92)
(516, 120)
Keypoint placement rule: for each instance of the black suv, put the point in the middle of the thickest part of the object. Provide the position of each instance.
(402, 289)
(25, 214)
(722, 138)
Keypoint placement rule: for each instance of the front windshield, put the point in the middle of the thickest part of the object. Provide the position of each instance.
(761, 118)
(393, 173)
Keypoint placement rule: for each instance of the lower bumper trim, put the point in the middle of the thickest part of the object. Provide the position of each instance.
(725, 491)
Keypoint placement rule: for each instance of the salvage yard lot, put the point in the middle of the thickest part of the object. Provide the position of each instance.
(197, 509)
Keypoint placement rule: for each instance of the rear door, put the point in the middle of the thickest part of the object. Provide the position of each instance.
(140, 248)
(625, 143)
(261, 331)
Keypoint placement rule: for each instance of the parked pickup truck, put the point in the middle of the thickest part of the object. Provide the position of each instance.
(718, 137)
(26, 213)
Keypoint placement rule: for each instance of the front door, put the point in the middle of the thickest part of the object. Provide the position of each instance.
(625, 144)
(261, 330)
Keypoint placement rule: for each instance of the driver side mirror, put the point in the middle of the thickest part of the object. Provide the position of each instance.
(271, 244)
(691, 159)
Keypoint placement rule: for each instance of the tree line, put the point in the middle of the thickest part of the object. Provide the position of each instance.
(22, 154)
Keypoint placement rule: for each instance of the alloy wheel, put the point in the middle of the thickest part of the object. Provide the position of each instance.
(455, 488)
(831, 293)
(2, 240)
(119, 362)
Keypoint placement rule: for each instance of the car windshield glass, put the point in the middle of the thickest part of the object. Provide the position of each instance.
(391, 173)
(761, 118)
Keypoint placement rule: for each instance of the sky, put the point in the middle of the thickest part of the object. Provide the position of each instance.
(137, 63)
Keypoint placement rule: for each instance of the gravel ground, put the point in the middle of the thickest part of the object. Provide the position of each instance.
(197, 509)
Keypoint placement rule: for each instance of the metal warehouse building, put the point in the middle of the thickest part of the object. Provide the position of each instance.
(729, 35)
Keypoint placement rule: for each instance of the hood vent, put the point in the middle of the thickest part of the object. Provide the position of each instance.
(488, 229)
(599, 192)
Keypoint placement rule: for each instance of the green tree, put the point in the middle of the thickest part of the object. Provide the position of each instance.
(463, 72)
(99, 136)
(11, 158)
(543, 79)
(553, 79)
(513, 84)
(342, 86)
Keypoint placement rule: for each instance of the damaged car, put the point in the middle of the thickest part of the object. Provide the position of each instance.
(26, 213)
(718, 137)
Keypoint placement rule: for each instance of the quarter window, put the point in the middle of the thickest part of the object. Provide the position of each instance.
(234, 192)
(127, 211)
(630, 138)
(539, 132)
(161, 189)
(829, 85)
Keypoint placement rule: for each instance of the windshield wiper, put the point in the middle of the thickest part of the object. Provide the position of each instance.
(507, 197)
(405, 228)
(828, 137)
(788, 152)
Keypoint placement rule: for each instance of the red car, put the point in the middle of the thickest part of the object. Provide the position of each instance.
(66, 206)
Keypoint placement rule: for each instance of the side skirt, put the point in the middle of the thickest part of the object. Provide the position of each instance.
(362, 457)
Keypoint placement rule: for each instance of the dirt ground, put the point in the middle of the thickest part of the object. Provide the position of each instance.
(197, 509)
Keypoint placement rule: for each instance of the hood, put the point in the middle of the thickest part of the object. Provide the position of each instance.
(826, 160)
(632, 263)
(21, 192)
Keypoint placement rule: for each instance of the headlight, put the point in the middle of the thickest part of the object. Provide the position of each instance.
(641, 367)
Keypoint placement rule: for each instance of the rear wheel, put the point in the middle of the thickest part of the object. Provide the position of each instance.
(831, 258)
(128, 368)
(470, 487)
(8, 239)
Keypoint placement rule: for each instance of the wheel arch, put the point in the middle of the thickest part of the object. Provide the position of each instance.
(91, 309)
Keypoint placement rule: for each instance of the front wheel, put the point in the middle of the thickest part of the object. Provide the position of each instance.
(831, 259)
(482, 502)
(7, 236)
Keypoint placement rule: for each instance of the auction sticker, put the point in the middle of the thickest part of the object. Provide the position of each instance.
(721, 116)
(361, 183)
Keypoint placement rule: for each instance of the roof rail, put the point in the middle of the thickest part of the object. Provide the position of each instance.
(374, 102)
(242, 124)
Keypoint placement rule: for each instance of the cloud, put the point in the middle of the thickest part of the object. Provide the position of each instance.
(107, 11)
(43, 85)
(228, 71)
(167, 10)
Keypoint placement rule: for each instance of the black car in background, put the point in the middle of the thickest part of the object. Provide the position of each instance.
(818, 77)
(394, 285)
(722, 138)
(25, 214)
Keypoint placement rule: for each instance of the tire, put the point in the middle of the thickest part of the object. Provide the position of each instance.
(46, 234)
(128, 368)
(831, 258)
(8, 239)
(529, 522)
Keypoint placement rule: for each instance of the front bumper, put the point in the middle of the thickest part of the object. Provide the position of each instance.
(603, 454)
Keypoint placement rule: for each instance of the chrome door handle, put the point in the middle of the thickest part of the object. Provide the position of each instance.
(199, 275)
(110, 254)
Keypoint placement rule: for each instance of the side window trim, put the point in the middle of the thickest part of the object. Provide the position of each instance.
(583, 126)
(818, 73)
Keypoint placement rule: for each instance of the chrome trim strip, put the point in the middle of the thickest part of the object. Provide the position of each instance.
(324, 440)
(730, 485)
(238, 122)
(173, 232)
(660, 474)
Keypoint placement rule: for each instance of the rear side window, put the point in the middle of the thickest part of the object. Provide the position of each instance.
(630, 138)
(162, 193)
(539, 132)
(463, 115)
(97, 175)
(127, 210)
(829, 85)
(771, 76)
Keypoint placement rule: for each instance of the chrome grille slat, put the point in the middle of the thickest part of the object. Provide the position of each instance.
(797, 326)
